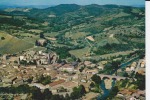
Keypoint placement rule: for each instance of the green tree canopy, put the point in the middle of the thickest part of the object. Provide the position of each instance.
(113, 93)
(96, 79)
(47, 94)
(78, 92)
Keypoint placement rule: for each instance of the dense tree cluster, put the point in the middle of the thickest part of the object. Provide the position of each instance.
(44, 79)
(111, 67)
(96, 79)
(140, 81)
(63, 52)
(113, 93)
(11, 21)
(112, 48)
(25, 89)
(2, 38)
(77, 93)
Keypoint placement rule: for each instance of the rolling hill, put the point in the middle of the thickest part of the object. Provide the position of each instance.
(112, 26)
(12, 44)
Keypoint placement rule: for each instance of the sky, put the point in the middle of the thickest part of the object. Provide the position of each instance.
(80, 2)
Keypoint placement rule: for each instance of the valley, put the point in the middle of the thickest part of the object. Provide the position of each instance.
(72, 52)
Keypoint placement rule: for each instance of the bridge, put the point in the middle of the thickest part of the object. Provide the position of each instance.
(102, 76)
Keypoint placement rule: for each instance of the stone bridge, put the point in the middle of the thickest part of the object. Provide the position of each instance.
(102, 76)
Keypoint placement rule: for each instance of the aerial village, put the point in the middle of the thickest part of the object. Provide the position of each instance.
(27, 67)
(72, 52)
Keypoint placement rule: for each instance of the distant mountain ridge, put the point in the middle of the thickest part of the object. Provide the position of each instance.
(69, 22)
(93, 10)
(5, 6)
(66, 15)
(25, 6)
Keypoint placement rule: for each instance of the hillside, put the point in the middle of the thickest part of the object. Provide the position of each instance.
(72, 52)
(12, 44)
(119, 28)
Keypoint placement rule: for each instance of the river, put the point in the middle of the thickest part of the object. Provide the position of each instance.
(125, 64)
(102, 85)
(105, 91)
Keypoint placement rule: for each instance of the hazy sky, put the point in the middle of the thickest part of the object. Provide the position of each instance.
(80, 2)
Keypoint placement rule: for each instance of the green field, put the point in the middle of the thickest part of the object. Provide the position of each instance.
(38, 48)
(76, 35)
(79, 53)
(52, 34)
(12, 44)
(104, 41)
(105, 56)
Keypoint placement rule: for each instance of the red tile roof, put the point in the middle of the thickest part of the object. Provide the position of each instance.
(56, 82)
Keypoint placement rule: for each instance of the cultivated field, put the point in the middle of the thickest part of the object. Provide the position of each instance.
(12, 44)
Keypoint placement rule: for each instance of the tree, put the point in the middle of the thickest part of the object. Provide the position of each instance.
(2, 38)
(96, 79)
(47, 94)
(92, 85)
(125, 74)
(67, 97)
(124, 82)
(23, 62)
(22, 89)
(81, 69)
(15, 61)
(82, 89)
(78, 92)
(57, 97)
(36, 93)
(30, 80)
(75, 95)
(42, 35)
(113, 92)
(44, 80)
(115, 65)
(140, 81)
(37, 43)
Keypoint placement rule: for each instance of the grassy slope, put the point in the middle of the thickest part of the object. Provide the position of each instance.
(112, 54)
(79, 52)
(12, 44)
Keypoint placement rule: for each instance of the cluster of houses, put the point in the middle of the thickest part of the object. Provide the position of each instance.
(137, 67)
(25, 68)
(31, 57)
(131, 94)
(39, 58)
(62, 83)
(64, 76)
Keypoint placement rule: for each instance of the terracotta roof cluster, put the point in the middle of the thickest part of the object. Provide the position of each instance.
(126, 92)
(57, 82)
(132, 93)
(70, 84)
